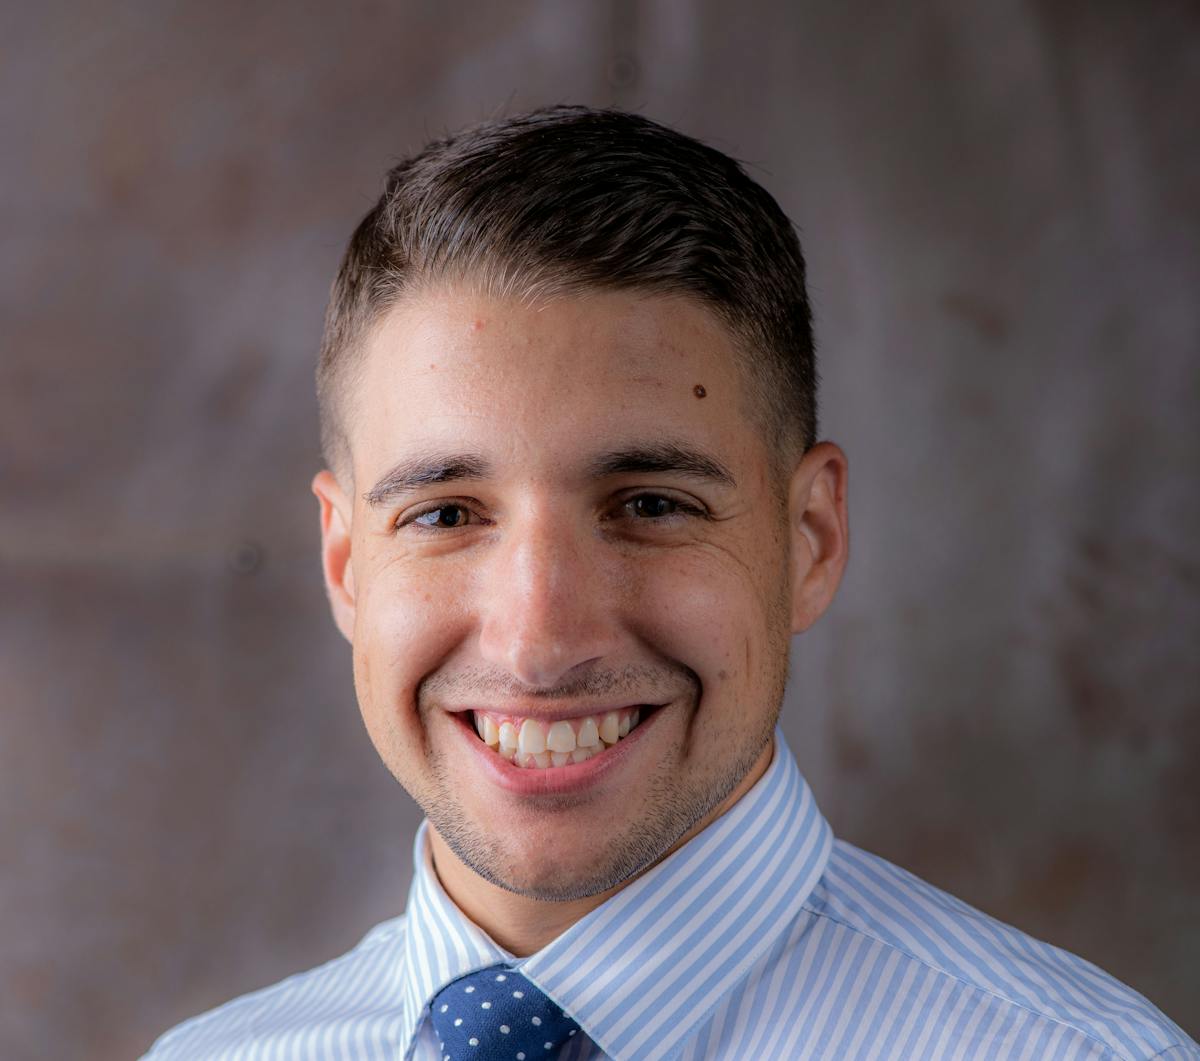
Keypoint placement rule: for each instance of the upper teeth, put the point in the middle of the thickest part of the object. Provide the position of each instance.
(531, 742)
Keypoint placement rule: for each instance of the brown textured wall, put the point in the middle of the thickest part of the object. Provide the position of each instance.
(1000, 208)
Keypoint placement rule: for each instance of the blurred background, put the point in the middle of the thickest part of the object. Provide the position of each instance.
(999, 203)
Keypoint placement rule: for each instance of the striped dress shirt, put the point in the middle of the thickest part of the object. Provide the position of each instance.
(762, 937)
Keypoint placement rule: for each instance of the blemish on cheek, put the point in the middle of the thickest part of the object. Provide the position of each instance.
(477, 324)
(699, 391)
(723, 676)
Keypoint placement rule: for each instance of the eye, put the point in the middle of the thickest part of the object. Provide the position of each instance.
(659, 507)
(651, 505)
(444, 517)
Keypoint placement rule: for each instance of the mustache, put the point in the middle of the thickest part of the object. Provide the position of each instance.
(666, 679)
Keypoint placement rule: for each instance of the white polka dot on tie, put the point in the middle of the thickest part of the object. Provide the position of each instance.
(473, 1041)
(572, 1032)
(457, 1021)
(444, 1008)
(518, 994)
(487, 1005)
(548, 1045)
(469, 990)
(504, 1029)
(501, 978)
(520, 1057)
(537, 1020)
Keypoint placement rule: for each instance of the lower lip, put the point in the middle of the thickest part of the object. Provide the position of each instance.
(552, 780)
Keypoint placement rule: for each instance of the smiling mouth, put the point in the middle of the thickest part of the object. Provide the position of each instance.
(538, 744)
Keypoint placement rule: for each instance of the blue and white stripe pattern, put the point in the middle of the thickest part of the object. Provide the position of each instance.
(763, 937)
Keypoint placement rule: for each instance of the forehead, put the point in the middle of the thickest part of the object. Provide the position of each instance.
(540, 384)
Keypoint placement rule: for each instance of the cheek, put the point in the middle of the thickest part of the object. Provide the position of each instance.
(703, 611)
(405, 625)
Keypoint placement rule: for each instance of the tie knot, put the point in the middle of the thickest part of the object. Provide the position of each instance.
(497, 1014)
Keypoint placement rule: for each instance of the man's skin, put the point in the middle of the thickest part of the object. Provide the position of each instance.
(548, 579)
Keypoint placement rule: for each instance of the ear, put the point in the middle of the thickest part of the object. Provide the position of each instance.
(820, 531)
(338, 565)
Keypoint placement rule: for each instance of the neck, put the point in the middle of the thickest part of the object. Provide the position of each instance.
(523, 925)
(518, 923)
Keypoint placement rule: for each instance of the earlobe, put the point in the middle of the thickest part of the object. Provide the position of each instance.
(820, 534)
(336, 559)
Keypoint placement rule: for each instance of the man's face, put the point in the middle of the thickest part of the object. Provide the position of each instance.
(572, 513)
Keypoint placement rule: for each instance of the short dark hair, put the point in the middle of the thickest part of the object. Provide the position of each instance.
(565, 199)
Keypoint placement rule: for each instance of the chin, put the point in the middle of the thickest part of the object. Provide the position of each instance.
(550, 869)
(534, 872)
(558, 884)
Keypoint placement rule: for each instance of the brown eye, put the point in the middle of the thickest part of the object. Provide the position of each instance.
(446, 517)
(652, 506)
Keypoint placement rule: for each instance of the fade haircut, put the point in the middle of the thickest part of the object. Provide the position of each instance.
(564, 200)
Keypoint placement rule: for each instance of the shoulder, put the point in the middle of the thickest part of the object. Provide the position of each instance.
(352, 993)
(960, 953)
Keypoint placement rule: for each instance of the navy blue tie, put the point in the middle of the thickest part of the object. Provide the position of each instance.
(497, 1014)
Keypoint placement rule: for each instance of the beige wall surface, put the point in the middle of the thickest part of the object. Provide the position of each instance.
(999, 203)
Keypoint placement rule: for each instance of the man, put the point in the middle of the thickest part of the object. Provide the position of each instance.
(574, 510)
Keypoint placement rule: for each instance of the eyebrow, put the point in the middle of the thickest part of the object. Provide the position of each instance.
(659, 457)
(667, 457)
(426, 470)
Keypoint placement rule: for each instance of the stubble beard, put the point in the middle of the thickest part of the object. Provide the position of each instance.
(669, 812)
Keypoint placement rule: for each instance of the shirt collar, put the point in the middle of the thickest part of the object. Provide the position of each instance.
(440, 942)
(676, 940)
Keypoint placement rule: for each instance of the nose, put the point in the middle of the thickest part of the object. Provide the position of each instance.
(547, 603)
